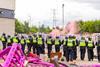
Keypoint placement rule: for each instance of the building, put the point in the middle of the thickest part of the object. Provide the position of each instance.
(7, 21)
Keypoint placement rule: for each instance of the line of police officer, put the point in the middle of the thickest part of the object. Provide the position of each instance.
(37, 43)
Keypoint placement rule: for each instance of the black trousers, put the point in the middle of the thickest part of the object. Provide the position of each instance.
(34, 48)
(90, 53)
(29, 45)
(43, 48)
(66, 53)
(4, 45)
(75, 52)
(49, 47)
(64, 50)
(39, 49)
(98, 53)
(70, 54)
(82, 52)
(57, 48)
(23, 48)
(9, 44)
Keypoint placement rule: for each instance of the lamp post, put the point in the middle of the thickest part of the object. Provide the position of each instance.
(54, 18)
(63, 15)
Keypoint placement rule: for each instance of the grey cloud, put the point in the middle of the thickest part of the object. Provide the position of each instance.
(94, 3)
(86, 1)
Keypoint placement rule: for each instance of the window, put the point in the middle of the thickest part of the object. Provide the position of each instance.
(1, 12)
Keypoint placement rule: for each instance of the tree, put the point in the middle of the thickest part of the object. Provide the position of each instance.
(26, 27)
(33, 29)
(97, 26)
(19, 26)
(47, 30)
(90, 26)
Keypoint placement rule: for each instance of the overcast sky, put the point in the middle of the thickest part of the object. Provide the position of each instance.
(42, 10)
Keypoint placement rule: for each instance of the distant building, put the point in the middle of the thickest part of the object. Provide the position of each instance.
(7, 20)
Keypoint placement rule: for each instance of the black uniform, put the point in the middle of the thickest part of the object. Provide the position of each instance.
(70, 53)
(65, 48)
(64, 42)
(49, 43)
(22, 42)
(30, 44)
(4, 40)
(34, 44)
(15, 39)
(9, 41)
(75, 42)
(40, 45)
(98, 50)
(57, 43)
(82, 45)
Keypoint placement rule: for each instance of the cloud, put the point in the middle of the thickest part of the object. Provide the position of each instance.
(42, 10)
(94, 3)
(86, 1)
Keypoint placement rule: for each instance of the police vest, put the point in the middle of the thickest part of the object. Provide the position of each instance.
(98, 44)
(57, 42)
(22, 41)
(15, 40)
(82, 43)
(3, 39)
(9, 40)
(64, 41)
(70, 44)
(49, 41)
(90, 44)
(34, 40)
(74, 41)
(40, 41)
(27, 41)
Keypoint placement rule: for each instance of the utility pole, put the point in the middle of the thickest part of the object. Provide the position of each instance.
(39, 26)
(54, 18)
(63, 15)
(29, 20)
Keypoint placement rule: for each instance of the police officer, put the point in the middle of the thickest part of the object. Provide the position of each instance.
(22, 42)
(57, 43)
(98, 50)
(49, 43)
(9, 41)
(90, 46)
(40, 43)
(82, 45)
(75, 42)
(65, 48)
(70, 53)
(28, 43)
(64, 42)
(4, 40)
(34, 43)
(15, 39)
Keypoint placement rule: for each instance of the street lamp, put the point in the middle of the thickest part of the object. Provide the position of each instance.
(63, 15)
(54, 18)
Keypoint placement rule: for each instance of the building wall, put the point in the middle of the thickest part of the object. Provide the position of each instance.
(7, 4)
(7, 21)
(7, 26)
